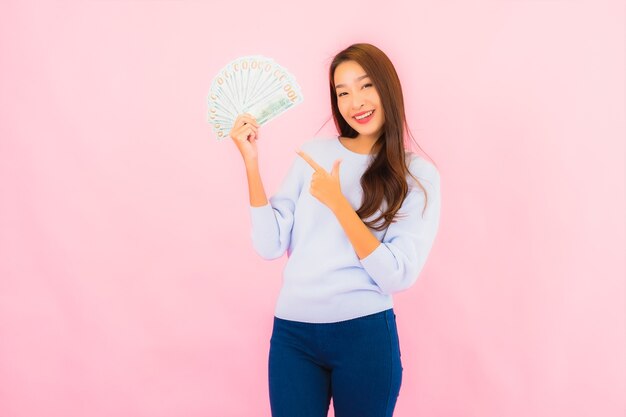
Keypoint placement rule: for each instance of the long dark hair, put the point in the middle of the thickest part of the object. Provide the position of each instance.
(385, 178)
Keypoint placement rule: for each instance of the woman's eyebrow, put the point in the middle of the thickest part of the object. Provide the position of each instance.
(357, 78)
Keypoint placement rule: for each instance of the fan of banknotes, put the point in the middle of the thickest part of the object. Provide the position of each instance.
(251, 84)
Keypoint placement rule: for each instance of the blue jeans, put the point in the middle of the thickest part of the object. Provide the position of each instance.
(356, 362)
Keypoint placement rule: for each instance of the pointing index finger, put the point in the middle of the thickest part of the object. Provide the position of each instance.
(310, 161)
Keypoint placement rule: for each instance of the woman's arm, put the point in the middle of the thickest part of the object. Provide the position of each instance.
(271, 223)
(362, 239)
(258, 197)
(244, 134)
(326, 187)
(395, 263)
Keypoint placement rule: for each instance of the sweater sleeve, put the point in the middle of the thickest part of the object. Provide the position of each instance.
(396, 263)
(272, 223)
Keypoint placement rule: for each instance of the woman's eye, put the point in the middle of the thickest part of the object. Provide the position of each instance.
(364, 85)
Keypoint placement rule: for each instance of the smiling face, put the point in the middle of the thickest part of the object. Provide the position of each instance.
(358, 100)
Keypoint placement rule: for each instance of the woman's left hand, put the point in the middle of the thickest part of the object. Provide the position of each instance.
(325, 186)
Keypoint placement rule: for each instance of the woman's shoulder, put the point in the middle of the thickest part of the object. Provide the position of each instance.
(421, 168)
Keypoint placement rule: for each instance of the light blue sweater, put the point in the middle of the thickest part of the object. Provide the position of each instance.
(324, 281)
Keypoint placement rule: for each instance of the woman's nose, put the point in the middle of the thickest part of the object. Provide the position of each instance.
(357, 101)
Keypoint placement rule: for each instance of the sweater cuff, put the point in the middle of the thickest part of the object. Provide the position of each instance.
(260, 215)
(377, 263)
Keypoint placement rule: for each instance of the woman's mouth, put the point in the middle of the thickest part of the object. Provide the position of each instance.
(363, 117)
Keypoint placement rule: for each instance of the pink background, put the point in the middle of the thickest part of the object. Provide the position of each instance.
(128, 283)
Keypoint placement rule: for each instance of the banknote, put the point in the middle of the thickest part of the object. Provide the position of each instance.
(252, 84)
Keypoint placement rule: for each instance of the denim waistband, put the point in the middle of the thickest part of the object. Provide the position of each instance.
(380, 315)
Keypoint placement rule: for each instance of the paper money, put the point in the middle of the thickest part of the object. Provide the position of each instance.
(251, 84)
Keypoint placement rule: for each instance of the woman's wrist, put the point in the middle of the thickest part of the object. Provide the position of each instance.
(340, 204)
(251, 163)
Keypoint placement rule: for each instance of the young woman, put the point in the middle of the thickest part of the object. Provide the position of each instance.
(357, 215)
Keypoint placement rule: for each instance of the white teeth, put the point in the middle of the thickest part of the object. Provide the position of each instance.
(363, 116)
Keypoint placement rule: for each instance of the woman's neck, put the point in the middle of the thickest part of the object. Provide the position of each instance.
(360, 144)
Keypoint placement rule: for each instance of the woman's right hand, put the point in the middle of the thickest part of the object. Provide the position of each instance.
(245, 133)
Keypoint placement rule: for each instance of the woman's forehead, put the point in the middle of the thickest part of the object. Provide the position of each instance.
(348, 72)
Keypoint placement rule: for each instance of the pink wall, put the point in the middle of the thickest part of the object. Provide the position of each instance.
(128, 283)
